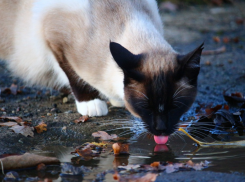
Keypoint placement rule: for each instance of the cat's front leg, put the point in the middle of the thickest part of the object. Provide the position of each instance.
(94, 107)
(88, 101)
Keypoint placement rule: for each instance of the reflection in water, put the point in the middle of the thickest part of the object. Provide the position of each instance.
(144, 151)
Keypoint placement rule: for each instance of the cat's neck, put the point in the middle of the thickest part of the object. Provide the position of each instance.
(140, 36)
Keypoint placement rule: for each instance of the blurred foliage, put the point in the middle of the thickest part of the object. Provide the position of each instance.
(195, 1)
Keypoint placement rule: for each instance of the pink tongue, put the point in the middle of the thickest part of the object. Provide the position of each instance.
(160, 139)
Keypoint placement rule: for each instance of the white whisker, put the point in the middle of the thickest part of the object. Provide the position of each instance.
(140, 93)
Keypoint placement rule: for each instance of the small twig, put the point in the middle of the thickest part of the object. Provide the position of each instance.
(217, 51)
(216, 144)
(2, 166)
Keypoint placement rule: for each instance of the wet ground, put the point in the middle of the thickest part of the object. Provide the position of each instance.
(185, 30)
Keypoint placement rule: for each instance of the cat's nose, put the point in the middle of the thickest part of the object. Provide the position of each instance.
(160, 125)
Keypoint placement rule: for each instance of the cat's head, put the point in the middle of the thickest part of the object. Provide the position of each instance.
(159, 86)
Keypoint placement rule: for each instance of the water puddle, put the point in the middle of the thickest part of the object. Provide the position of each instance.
(142, 151)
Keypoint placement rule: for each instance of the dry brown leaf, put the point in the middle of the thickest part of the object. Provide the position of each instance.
(116, 176)
(211, 111)
(216, 39)
(8, 124)
(81, 119)
(236, 39)
(24, 130)
(41, 127)
(226, 40)
(236, 97)
(10, 118)
(26, 160)
(190, 163)
(155, 164)
(216, 51)
(120, 148)
(41, 167)
(104, 136)
(116, 148)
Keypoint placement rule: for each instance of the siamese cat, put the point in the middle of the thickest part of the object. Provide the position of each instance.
(103, 50)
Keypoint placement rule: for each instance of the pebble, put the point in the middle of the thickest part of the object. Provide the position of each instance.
(208, 63)
(68, 112)
(70, 98)
(65, 100)
(49, 114)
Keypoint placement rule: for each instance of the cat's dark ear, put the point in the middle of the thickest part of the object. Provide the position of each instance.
(127, 61)
(190, 63)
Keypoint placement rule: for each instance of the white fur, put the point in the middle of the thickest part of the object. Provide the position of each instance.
(32, 59)
(92, 108)
(117, 103)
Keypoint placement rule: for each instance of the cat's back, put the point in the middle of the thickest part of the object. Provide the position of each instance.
(8, 14)
(123, 11)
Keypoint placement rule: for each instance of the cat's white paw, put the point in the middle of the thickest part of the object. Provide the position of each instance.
(117, 103)
(91, 108)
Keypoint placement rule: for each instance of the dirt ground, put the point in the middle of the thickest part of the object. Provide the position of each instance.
(185, 29)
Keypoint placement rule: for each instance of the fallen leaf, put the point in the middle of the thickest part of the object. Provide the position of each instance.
(89, 150)
(216, 51)
(236, 39)
(41, 127)
(81, 119)
(86, 153)
(24, 130)
(120, 148)
(9, 118)
(226, 40)
(155, 164)
(116, 176)
(8, 124)
(116, 148)
(25, 123)
(234, 97)
(190, 163)
(211, 111)
(224, 117)
(216, 39)
(104, 136)
(41, 167)
(26, 160)
(208, 63)
(240, 21)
